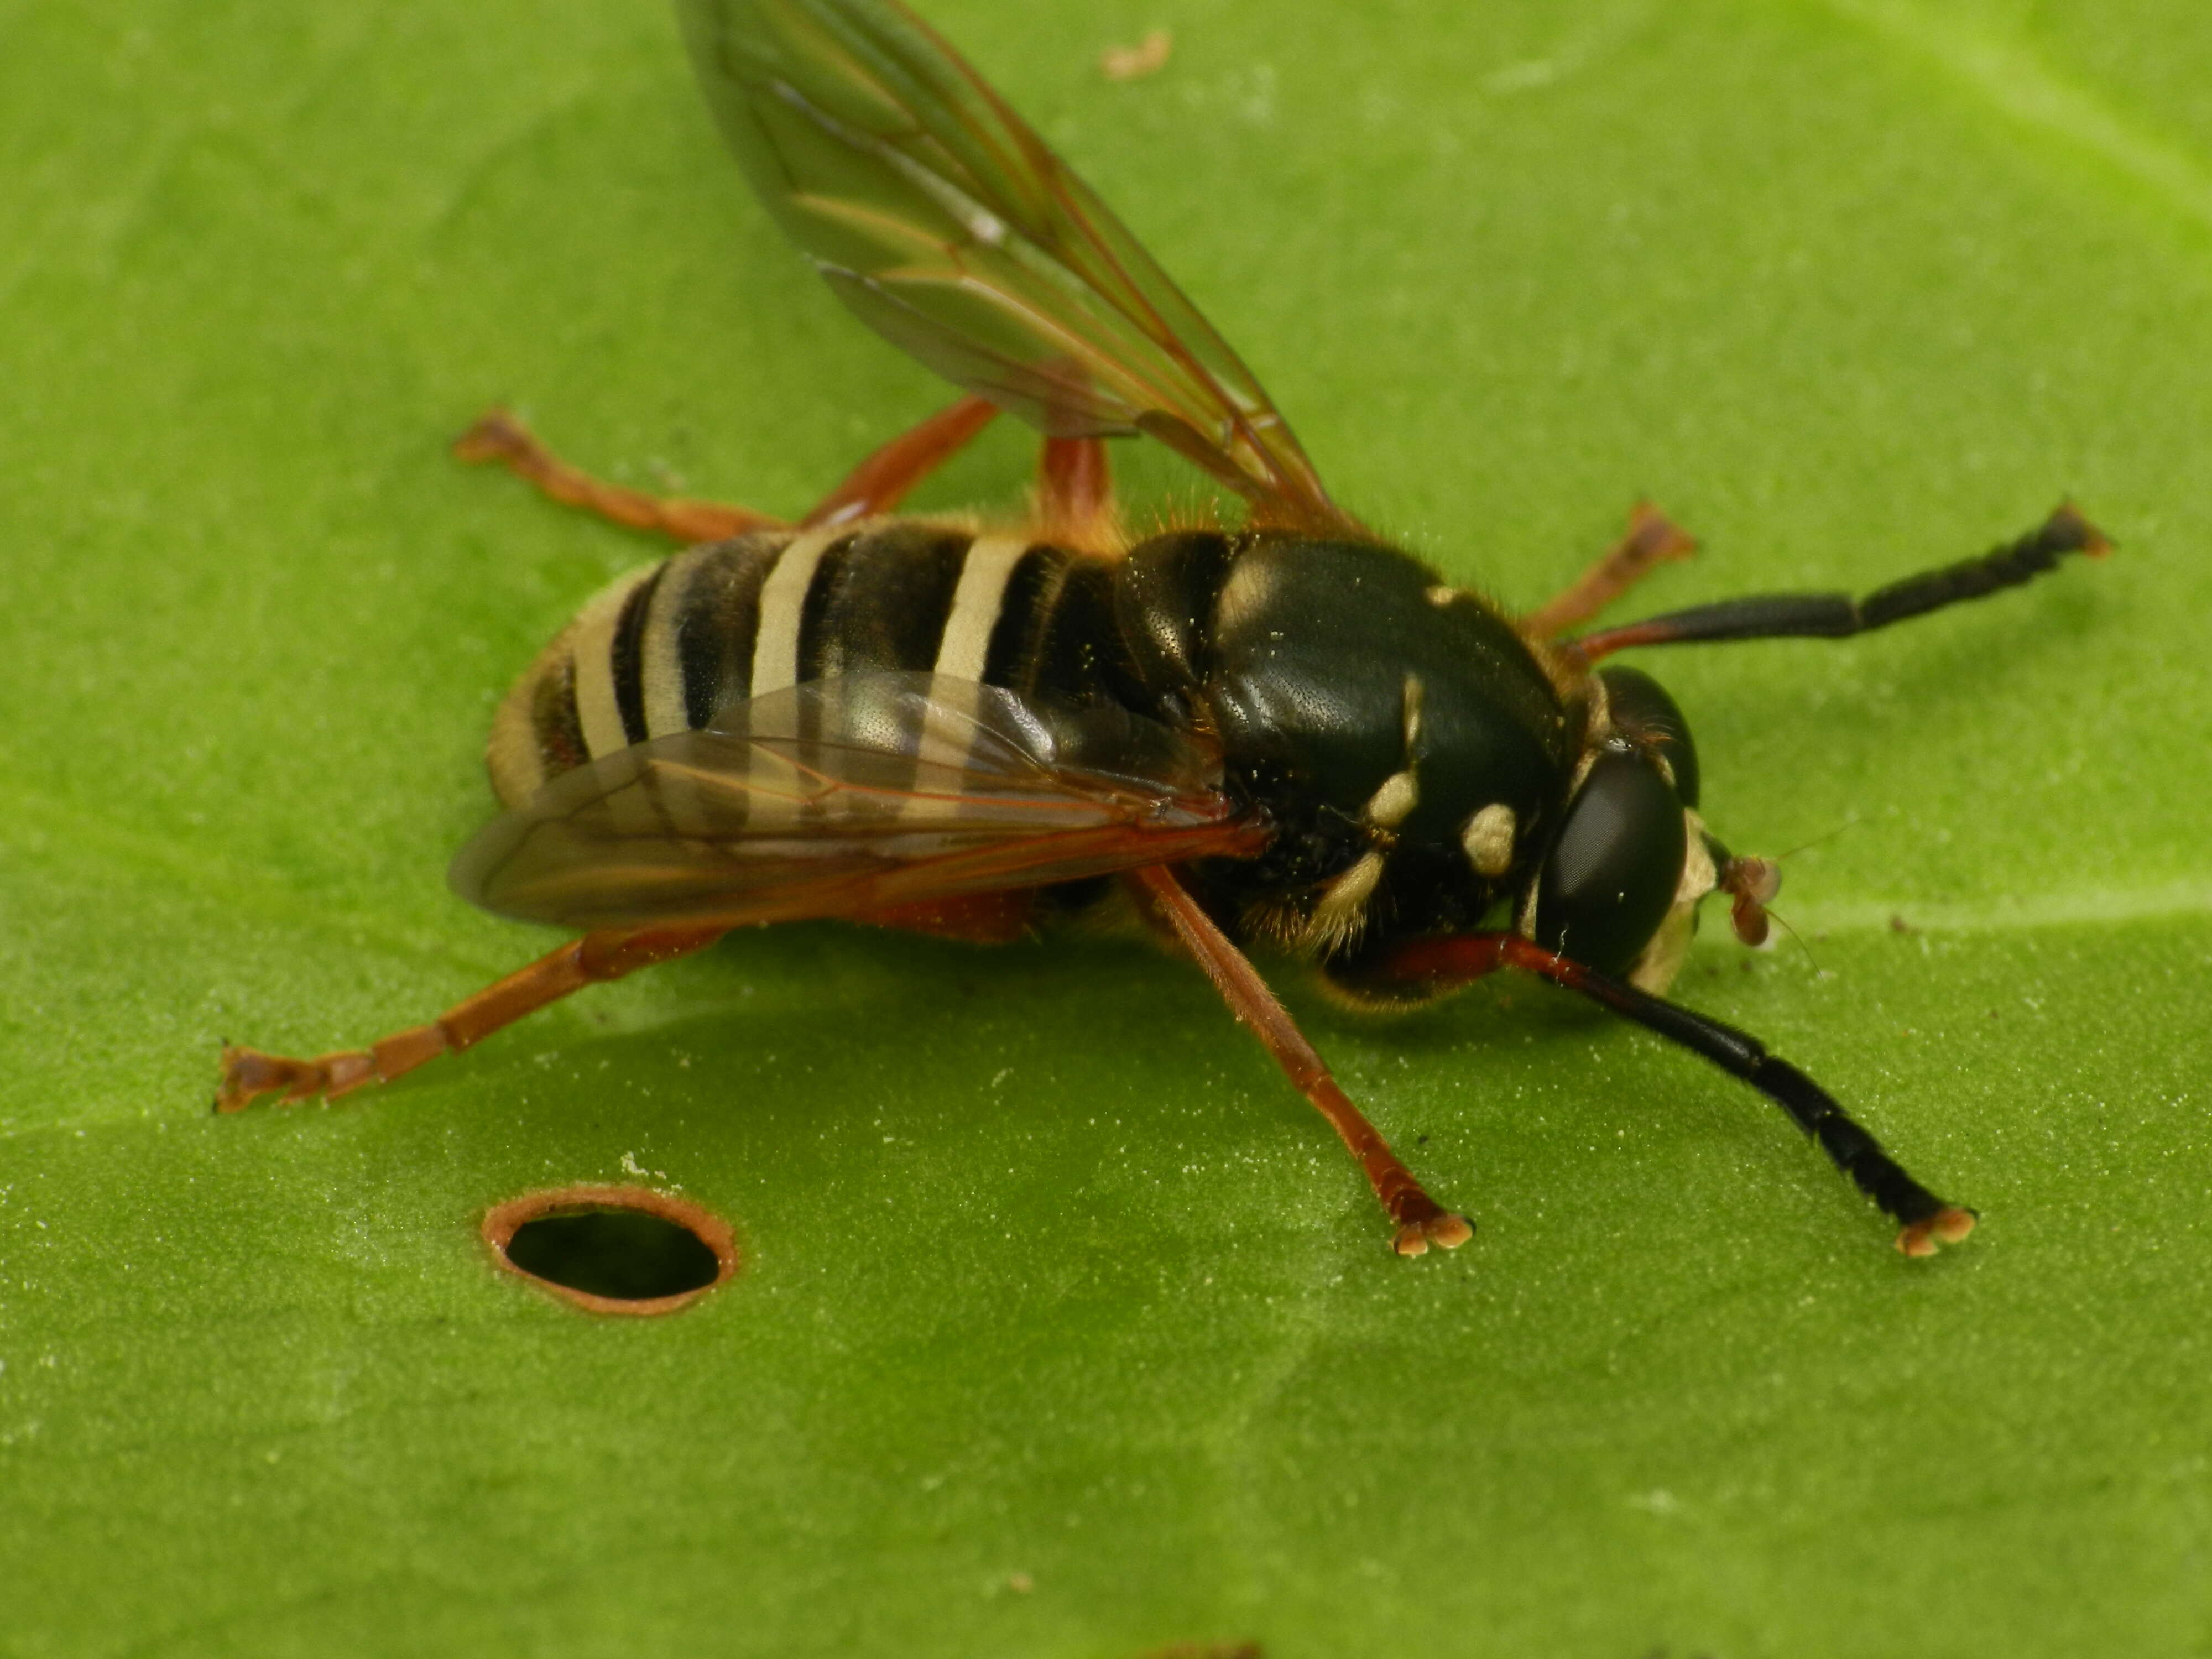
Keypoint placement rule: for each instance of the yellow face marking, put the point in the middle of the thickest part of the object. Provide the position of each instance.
(1661, 959)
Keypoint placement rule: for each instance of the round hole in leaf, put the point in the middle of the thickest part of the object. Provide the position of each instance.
(613, 1249)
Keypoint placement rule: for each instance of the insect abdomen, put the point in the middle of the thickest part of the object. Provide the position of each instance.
(663, 649)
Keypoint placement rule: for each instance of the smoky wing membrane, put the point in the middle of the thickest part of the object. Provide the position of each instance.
(947, 225)
(848, 795)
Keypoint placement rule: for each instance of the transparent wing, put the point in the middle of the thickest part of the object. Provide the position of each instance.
(847, 796)
(944, 222)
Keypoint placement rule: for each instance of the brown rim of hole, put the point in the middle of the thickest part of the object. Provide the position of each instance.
(502, 1221)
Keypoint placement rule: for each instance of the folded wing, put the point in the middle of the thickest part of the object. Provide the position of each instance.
(847, 796)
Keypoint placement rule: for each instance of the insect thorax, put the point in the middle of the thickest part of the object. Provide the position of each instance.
(1410, 747)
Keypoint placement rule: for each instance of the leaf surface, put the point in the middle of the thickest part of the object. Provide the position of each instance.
(1066, 1329)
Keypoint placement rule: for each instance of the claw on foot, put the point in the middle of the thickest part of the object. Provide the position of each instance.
(1947, 1226)
(2077, 533)
(248, 1074)
(1652, 538)
(1443, 1230)
(496, 437)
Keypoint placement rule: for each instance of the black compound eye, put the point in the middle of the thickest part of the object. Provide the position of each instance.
(1642, 707)
(1611, 876)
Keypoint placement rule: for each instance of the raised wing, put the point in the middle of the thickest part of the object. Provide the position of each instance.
(847, 796)
(944, 222)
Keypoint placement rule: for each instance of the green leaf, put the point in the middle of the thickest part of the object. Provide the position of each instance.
(1065, 1327)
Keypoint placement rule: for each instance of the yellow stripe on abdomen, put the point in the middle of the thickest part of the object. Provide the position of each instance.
(976, 602)
(782, 604)
(592, 643)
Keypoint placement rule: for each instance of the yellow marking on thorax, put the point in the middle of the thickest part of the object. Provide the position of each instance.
(1251, 584)
(1394, 803)
(1487, 839)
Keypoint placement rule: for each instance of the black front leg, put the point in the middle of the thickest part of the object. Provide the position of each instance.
(1926, 1221)
(1838, 616)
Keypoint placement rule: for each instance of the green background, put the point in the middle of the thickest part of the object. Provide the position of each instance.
(1066, 1329)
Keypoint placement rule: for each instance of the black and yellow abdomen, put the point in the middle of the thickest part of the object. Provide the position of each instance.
(662, 649)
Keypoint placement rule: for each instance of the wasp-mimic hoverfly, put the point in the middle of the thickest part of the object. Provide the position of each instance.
(1284, 730)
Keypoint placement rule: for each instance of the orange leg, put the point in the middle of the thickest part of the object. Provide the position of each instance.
(247, 1074)
(1075, 494)
(1652, 539)
(1421, 1221)
(881, 482)
(877, 485)
(500, 437)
